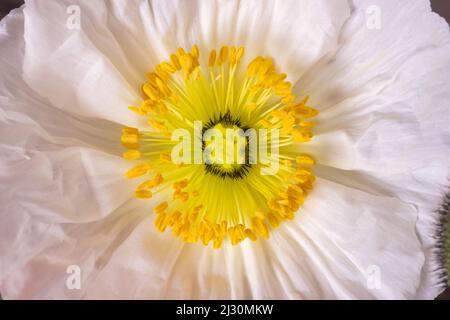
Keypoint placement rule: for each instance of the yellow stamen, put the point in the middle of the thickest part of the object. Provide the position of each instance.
(137, 171)
(305, 159)
(223, 55)
(161, 207)
(143, 194)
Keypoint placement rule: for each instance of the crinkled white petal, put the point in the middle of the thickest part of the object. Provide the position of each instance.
(337, 248)
(384, 102)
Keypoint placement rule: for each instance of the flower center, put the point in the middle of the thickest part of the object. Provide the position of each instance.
(228, 154)
(222, 148)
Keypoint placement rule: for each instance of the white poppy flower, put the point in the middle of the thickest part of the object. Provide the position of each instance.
(350, 213)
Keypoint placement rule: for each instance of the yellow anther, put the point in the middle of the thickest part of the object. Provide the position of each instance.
(165, 157)
(306, 112)
(130, 130)
(195, 75)
(233, 52)
(288, 98)
(265, 66)
(175, 62)
(283, 202)
(151, 91)
(239, 54)
(198, 208)
(251, 106)
(187, 66)
(278, 215)
(301, 178)
(260, 228)
(181, 52)
(147, 185)
(163, 87)
(275, 78)
(280, 114)
(158, 178)
(192, 217)
(234, 237)
(148, 106)
(181, 184)
(289, 215)
(132, 146)
(305, 124)
(156, 181)
(157, 125)
(192, 236)
(283, 87)
(305, 159)
(129, 138)
(222, 228)
(161, 108)
(223, 55)
(301, 136)
(283, 195)
(195, 194)
(254, 66)
(295, 193)
(161, 222)
(143, 194)
(266, 123)
(151, 76)
(259, 215)
(240, 229)
(167, 67)
(183, 196)
(305, 100)
(161, 207)
(274, 222)
(195, 51)
(217, 243)
(137, 171)
(132, 154)
(174, 217)
(162, 73)
(250, 234)
(212, 58)
(186, 62)
(295, 188)
(206, 238)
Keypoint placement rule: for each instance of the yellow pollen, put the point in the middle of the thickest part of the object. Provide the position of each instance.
(143, 194)
(137, 171)
(161, 207)
(212, 58)
(132, 154)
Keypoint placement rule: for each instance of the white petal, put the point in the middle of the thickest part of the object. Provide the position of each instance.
(384, 112)
(50, 165)
(39, 254)
(343, 237)
(83, 71)
(104, 62)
